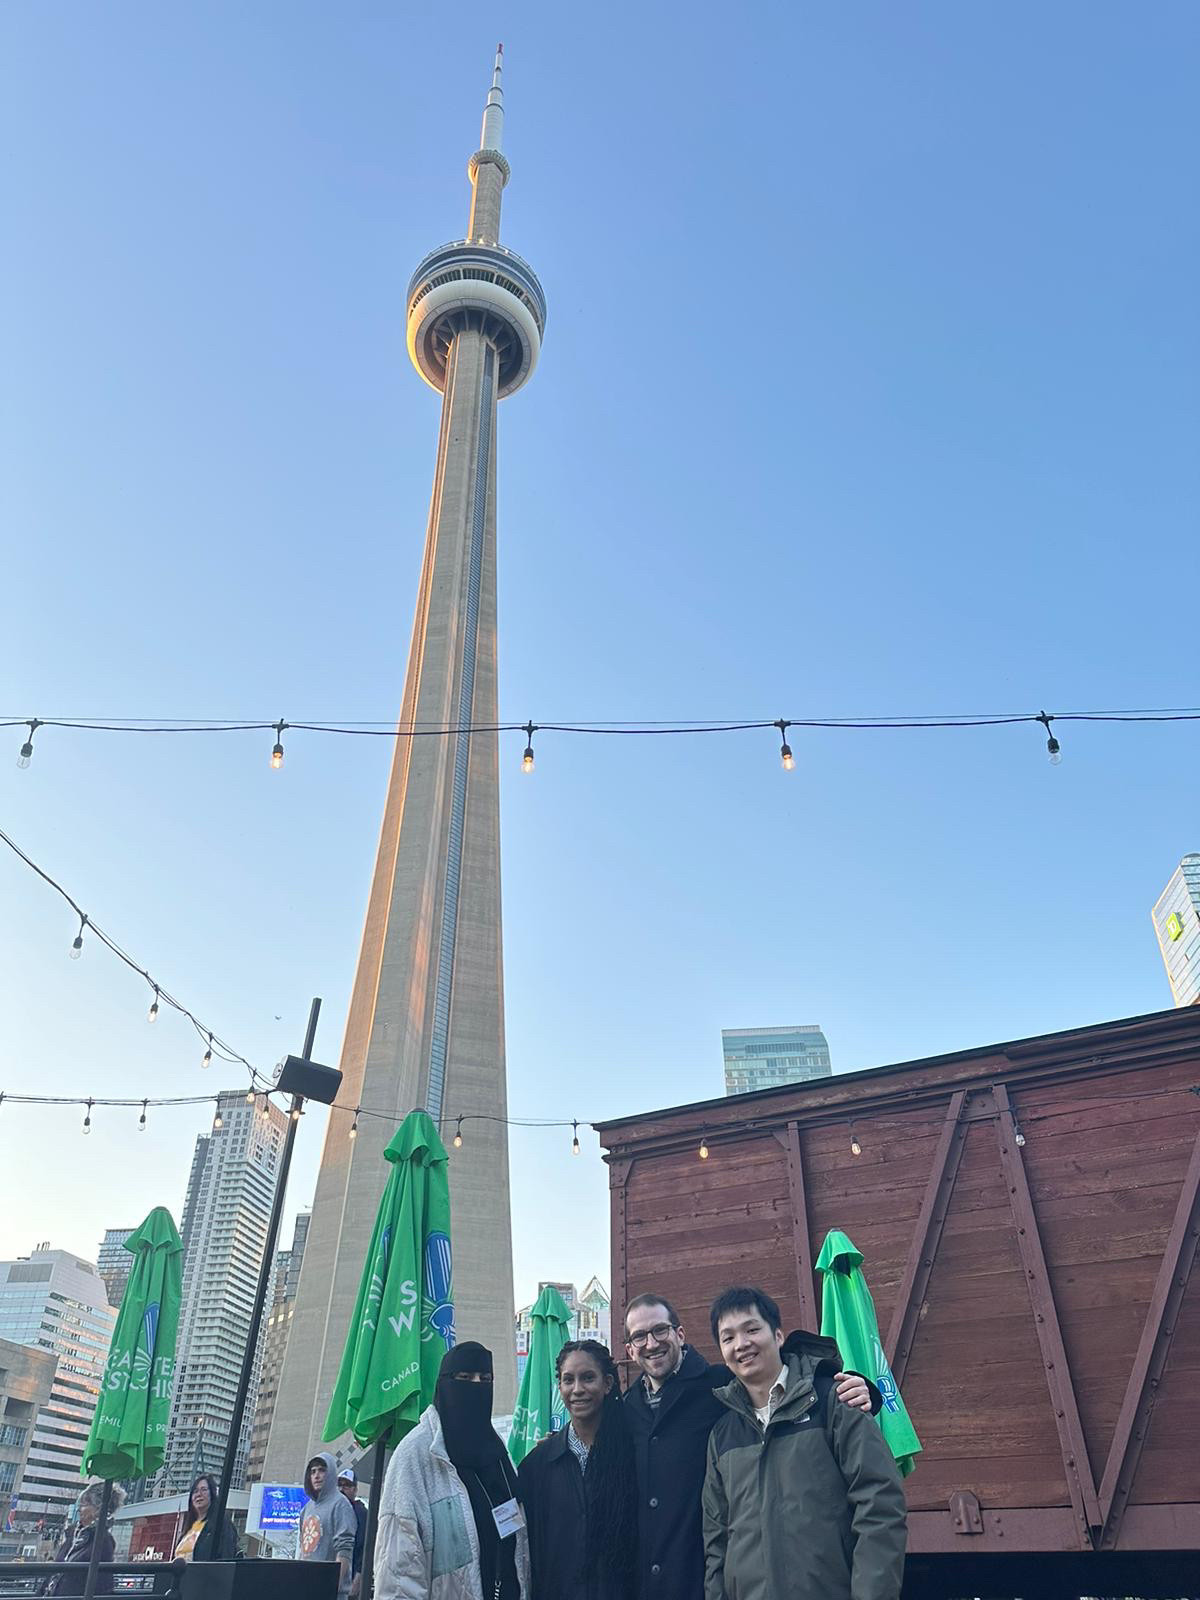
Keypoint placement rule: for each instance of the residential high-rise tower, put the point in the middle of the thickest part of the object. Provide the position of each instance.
(225, 1217)
(426, 1020)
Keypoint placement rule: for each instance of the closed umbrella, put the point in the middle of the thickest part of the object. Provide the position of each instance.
(848, 1316)
(403, 1320)
(539, 1405)
(129, 1428)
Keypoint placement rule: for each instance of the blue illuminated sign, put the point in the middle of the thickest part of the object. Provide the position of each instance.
(282, 1504)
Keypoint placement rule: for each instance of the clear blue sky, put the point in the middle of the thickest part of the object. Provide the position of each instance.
(869, 386)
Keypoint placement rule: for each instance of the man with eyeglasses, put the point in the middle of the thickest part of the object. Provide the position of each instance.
(672, 1409)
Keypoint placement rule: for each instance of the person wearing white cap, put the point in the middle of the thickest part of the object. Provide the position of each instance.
(347, 1482)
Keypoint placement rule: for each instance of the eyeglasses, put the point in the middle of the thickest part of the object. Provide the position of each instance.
(658, 1333)
(471, 1377)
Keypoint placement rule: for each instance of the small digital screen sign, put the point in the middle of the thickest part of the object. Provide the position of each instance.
(282, 1504)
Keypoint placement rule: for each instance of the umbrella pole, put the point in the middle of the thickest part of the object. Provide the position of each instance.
(377, 1465)
(89, 1588)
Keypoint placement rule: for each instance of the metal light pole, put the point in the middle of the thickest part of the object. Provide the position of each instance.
(264, 1279)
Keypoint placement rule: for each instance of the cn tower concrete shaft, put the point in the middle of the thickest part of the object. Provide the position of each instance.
(426, 1020)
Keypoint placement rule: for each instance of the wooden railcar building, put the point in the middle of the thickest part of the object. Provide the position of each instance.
(1029, 1219)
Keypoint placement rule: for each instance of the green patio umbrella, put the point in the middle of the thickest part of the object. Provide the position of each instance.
(129, 1428)
(403, 1320)
(848, 1315)
(539, 1405)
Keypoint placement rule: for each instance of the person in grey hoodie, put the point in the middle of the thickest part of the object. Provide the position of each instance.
(327, 1523)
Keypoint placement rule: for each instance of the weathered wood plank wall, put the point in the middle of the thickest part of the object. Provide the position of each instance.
(1022, 1211)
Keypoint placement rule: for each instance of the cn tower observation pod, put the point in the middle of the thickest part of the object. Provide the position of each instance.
(482, 286)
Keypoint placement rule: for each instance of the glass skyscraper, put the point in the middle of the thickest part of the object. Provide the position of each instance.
(764, 1058)
(57, 1303)
(1176, 918)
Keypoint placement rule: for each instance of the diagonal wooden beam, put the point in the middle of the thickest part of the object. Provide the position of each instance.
(927, 1234)
(1153, 1349)
(1076, 1466)
(810, 1314)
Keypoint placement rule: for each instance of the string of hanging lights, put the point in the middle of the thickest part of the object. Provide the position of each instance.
(417, 730)
(213, 1044)
(262, 1102)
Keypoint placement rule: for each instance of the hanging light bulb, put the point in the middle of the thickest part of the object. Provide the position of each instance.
(218, 1119)
(527, 758)
(87, 1121)
(152, 1014)
(295, 1113)
(142, 1118)
(1018, 1137)
(1052, 744)
(26, 755)
(277, 749)
(251, 1097)
(786, 757)
(354, 1124)
(703, 1152)
(77, 942)
(575, 1140)
(207, 1061)
(458, 1135)
(855, 1147)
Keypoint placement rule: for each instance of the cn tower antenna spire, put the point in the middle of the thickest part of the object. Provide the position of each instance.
(492, 137)
(487, 168)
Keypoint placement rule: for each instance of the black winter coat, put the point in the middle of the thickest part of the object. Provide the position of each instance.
(228, 1550)
(554, 1500)
(670, 1443)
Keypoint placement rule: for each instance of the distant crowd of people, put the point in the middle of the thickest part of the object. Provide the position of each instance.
(761, 1477)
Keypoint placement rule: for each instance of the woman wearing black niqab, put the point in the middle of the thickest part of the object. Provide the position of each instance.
(463, 1398)
(450, 1475)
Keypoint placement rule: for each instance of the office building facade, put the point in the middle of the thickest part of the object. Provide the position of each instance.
(114, 1263)
(26, 1381)
(765, 1058)
(1176, 918)
(56, 1303)
(275, 1330)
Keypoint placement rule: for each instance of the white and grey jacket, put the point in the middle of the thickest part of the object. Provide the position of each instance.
(427, 1547)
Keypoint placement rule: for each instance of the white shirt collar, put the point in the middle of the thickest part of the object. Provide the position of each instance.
(778, 1390)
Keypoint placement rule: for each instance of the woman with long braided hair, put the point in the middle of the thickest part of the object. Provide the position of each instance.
(578, 1487)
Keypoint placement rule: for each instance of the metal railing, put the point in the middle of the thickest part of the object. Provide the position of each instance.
(128, 1577)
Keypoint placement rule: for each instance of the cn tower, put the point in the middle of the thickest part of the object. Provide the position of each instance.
(426, 1020)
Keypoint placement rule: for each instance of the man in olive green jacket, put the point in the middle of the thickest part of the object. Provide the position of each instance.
(801, 1499)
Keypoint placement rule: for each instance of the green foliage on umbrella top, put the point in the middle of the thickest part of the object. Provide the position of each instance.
(129, 1429)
